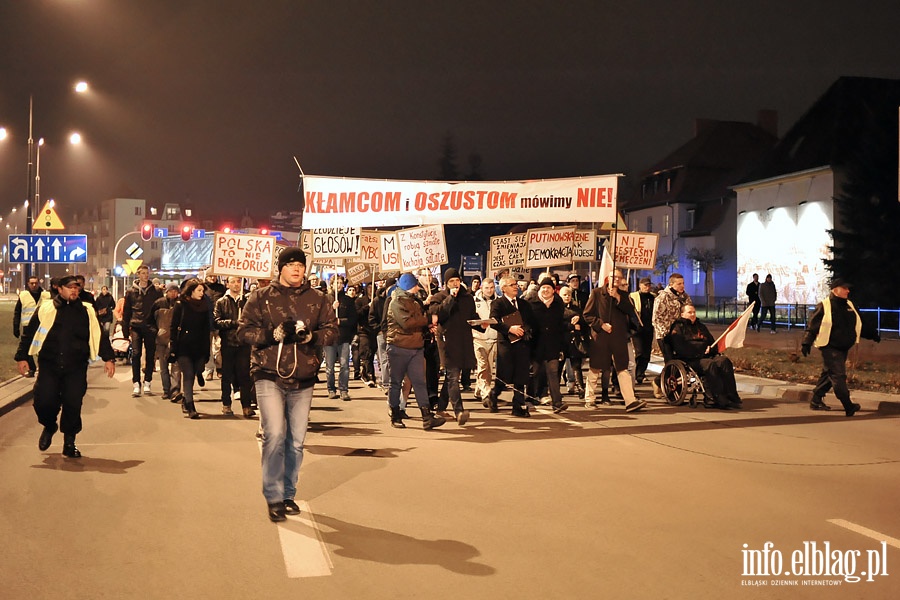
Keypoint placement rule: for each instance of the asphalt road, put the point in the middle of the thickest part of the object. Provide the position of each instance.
(588, 504)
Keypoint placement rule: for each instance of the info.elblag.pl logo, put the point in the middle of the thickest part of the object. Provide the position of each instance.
(816, 560)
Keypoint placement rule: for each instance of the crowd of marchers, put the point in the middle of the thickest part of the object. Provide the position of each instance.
(268, 343)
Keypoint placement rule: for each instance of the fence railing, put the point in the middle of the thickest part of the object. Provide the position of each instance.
(887, 320)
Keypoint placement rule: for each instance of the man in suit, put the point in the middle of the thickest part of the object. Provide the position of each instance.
(514, 325)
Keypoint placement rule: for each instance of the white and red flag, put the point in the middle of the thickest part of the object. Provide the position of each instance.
(733, 337)
(606, 268)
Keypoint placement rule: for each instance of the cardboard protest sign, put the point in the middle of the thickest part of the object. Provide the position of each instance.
(335, 242)
(636, 250)
(390, 252)
(357, 273)
(422, 247)
(369, 248)
(507, 251)
(243, 255)
(548, 247)
(585, 247)
(306, 244)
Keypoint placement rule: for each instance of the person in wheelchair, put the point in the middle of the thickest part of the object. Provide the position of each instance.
(693, 344)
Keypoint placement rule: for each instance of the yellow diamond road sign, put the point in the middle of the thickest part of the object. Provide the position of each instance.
(48, 219)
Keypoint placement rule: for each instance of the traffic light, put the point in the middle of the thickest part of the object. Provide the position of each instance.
(147, 232)
(226, 229)
(263, 231)
(186, 232)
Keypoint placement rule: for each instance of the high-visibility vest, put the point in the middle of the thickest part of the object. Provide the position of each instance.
(825, 328)
(47, 317)
(29, 305)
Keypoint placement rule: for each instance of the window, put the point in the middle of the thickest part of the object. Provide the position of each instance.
(665, 224)
(668, 184)
(137, 211)
(690, 219)
(649, 224)
(695, 272)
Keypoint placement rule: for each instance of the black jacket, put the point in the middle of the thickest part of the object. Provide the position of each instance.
(67, 344)
(226, 313)
(138, 304)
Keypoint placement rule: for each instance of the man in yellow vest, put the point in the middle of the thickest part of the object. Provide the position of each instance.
(29, 301)
(64, 335)
(834, 328)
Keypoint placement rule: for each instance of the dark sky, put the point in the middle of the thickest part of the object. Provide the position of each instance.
(210, 99)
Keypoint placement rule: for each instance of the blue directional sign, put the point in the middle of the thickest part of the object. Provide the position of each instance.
(48, 248)
(160, 232)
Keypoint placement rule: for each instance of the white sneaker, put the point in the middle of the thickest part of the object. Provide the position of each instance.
(136, 392)
(147, 391)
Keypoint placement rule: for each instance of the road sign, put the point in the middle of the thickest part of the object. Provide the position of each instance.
(49, 220)
(134, 251)
(160, 232)
(35, 248)
(131, 266)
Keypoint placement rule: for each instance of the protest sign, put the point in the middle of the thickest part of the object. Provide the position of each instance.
(357, 273)
(585, 246)
(507, 251)
(422, 247)
(306, 244)
(548, 247)
(636, 250)
(335, 242)
(390, 252)
(243, 255)
(384, 202)
(369, 248)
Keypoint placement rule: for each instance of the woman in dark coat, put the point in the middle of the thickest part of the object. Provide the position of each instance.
(549, 336)
(610, 314)
(189, 344)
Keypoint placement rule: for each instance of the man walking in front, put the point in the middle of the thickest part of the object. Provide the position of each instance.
(65, 334)
(137, 325)
(284, 322)
(834, 328)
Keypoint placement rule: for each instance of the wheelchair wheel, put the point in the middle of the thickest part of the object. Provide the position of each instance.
(674, 382)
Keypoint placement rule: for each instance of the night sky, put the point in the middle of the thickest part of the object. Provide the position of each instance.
(210, 99)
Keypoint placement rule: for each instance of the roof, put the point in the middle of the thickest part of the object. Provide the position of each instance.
(705, 167)
(834, 128)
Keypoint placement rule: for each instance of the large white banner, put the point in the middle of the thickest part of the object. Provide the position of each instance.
(549, 247)
(243, 255)
(385, 202)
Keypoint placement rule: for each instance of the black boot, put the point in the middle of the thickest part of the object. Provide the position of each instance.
(46, 437)
(69, 447)
(397, 419)
(431, 420)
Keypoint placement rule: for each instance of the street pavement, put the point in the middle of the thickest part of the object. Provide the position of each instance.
(590, 503)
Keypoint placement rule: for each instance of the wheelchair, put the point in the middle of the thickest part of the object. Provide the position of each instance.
(678, 382)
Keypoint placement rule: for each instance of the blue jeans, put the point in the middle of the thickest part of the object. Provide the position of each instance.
(332, 353)
(284, 416)
(411, 362)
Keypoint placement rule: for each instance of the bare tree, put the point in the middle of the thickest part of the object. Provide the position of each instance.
(708, 259)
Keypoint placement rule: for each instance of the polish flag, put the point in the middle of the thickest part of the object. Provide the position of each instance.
(733, 337)
(606, 268)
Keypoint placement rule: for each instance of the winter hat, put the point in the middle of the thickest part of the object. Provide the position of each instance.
(839, 282)
(546, 281)
(451, 273)
(407, 281)
(66, 280)
(291, 255)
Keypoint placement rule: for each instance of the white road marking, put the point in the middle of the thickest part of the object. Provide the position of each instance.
(559, 417)
(871, 533)
(305, 553)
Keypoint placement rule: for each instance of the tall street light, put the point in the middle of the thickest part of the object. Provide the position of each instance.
(80, 87)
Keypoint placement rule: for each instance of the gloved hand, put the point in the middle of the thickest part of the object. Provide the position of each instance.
(303, 334)
(285, 332)
(805, 349)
